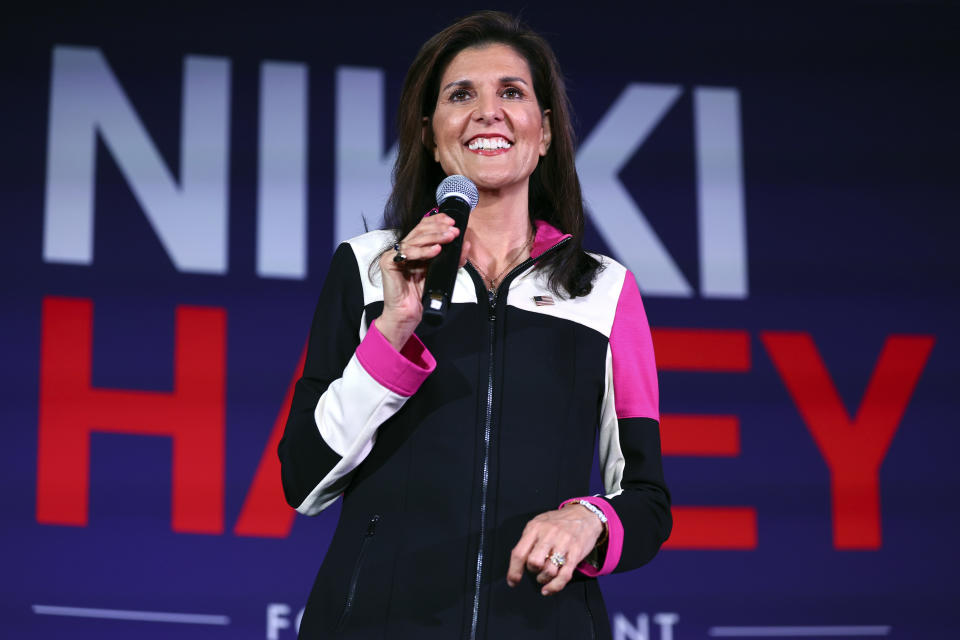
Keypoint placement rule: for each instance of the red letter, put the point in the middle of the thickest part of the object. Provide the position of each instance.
(854, 449)
(700, 435)
(70, 408)
(265, 512)
(713, 528)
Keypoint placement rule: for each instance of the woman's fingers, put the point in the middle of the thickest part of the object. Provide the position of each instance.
(549, 570)
(439, 226)
(430, 238)
(403, 279)
(535, 552)
(538, 558)
(414, 254)
(552, 545)
(426, 239)
(559, 581)
(518, 557)
(423, 243)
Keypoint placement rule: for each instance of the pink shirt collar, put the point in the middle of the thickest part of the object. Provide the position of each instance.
(546, 237)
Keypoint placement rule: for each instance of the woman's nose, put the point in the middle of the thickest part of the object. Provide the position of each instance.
(488, 109)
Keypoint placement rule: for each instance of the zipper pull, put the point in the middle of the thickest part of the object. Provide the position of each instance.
(372, 525)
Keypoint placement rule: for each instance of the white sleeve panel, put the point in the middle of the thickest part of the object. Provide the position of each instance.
(348, 415)
(612, 461)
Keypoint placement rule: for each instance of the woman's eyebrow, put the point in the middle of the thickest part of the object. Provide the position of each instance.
(457, 83)
(469, 83)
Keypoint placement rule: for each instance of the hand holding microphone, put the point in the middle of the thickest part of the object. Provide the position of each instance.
(420, 286)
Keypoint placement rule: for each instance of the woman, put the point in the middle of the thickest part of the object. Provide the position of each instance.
(463, 452)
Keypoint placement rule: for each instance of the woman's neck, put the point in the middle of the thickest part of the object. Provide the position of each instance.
(500, 234)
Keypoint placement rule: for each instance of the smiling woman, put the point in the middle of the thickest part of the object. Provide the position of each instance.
(463, 452)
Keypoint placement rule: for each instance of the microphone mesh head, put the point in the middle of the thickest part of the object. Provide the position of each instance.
(459, 187)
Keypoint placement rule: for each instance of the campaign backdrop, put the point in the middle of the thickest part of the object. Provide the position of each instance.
(782, 178)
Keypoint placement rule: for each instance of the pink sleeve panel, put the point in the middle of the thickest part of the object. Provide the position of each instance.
(401, 372)
(635, 390)
(614, 541)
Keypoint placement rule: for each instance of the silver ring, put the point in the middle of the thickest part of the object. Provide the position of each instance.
(399, 257)
(558, 559)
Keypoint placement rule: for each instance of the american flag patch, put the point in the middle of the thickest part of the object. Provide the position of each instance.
(542, 301)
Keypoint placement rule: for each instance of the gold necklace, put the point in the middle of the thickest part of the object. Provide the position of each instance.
(518, 258)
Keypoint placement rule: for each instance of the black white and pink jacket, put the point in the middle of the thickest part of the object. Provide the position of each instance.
(444, 451)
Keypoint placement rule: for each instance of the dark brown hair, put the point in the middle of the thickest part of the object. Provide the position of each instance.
(554, 194)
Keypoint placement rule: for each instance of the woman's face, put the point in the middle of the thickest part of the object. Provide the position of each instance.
(487, 124)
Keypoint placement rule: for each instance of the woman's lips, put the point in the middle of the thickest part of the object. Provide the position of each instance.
(489, 152)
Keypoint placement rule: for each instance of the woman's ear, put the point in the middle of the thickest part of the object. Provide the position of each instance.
(426, 137)
(547, 136)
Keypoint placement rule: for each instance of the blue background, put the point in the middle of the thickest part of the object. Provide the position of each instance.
(849, 142)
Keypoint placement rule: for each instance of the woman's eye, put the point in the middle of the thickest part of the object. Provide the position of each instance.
(459, 95)
(512, 92)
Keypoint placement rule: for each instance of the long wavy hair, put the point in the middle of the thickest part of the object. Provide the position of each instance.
(554, 193)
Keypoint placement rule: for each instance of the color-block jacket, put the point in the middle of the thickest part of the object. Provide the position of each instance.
(444, 451)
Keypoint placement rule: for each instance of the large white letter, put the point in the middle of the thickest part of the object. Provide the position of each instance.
(620, 221)
(723, 233)
(282, 177)
(277, 619)
(362, 172)
(623, 630)
(666, 622)
(190, 219)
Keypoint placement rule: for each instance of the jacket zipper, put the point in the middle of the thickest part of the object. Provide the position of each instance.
(488, 420)
(485, 477)
(352, 591)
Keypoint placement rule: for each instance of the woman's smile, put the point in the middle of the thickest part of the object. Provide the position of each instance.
(489, 145)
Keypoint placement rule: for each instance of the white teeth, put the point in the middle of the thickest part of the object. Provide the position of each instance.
(488, 144)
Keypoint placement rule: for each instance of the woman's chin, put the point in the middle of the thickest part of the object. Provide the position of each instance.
(498, 183)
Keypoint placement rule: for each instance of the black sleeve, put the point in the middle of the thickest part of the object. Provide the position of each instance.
(305, 458)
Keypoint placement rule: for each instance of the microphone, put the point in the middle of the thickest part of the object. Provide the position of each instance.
(456, 197)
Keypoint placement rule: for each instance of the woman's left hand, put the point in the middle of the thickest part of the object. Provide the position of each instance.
(571, 532)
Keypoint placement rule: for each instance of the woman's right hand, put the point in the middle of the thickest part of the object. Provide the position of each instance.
(403, 281)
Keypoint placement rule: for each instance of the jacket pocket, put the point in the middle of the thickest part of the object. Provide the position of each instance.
(355, 577)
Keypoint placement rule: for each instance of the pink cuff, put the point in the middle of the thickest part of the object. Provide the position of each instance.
(614, 540)
(402, 372)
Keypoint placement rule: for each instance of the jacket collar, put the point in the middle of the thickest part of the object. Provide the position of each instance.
(545, 238)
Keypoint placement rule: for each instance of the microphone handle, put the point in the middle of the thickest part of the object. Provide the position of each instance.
(442, 272)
